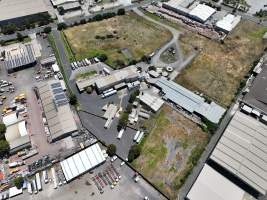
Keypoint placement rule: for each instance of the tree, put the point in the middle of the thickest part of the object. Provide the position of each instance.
(61, 10)
(4, 148)
(2, 42)
(2, 128)
(98, 17)
(89, 90)
(47, 29)
(20, 37)
(123, 121)
(9, 29)
(134, 152)
(61, 26)
(73, 99)
(102, 57)
(18, 182)
(133, 96)
(111, 150)
(121, 11)
(83, 21)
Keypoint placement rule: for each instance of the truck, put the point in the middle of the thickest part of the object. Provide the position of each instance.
(29, 187)
(106, 70)
(120, 134)
(16, 164)
(109, 94)
(38, 181)
(138, 140)
(45, 176)
(136, 136)
(34, 186)
(54, 177)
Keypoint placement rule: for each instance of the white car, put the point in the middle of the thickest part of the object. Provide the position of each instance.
(122, 163)
(113, 158)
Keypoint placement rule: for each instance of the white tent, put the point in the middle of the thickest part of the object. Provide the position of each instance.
(55, 67)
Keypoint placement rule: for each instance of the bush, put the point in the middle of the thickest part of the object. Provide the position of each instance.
(61, 10)
(73, 99)
(9, 29)
(133, 96)
(121, 11)
(129, 108)
(111, 150)
(98, 17)
(61, 26)
(2, 128)
(18, 182)
(4, 148)
(132, 62)
(89, 90)
(20, 37)
(47, 29)
(102, 57)
(83, 21)
(134, 152)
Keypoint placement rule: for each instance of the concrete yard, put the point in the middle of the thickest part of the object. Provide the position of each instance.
(83, 188)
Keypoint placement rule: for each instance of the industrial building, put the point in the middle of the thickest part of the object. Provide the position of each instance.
(18, 56)
(189, 101)
(16, 132)
(242, 151)
(82, 162)
(126, 75)
(256, 97)
(228, 23)
(57, 111)
(17, 11)
(190, 8)
(211, 185)
(152, 101)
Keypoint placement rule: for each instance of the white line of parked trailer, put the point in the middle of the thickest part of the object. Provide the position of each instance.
(138, 136)
(120, 134)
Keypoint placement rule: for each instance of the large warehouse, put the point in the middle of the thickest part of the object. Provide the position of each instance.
(189, 101)
(58, 113)
(242, 151)
(16, 11)
(211, 185)
(82, 162)
(18, 56)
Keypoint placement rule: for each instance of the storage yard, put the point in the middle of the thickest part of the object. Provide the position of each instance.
(170, 150)
(121, 38)
(219, 68)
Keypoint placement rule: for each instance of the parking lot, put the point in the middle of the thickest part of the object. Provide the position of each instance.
(87, 186)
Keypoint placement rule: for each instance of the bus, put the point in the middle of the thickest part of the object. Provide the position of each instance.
(120, 134)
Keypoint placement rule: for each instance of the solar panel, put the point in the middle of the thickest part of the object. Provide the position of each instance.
(60, 97)
(58, 90)
(55, 85)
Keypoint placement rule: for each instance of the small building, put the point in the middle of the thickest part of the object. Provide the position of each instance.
(59, 116)
(228, 23)
(67, 7)
(211, 185)
(202, 13)
(128, 74)
(19, 56)
(179, 6)
(82, 162)
(17, 136)
(57, 3)
(153, 102)
(48, 61)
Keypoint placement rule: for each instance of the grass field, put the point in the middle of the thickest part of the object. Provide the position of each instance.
(121, 38)
(219, 68)
(170, 151)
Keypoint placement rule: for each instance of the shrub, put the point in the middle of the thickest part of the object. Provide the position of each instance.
(111, 150)
(4, 148)
(73, 99)
(61, 26)
(47, 29)
(102, 57)
(18, 182)
(134, 152)
(121, 11)
(20, 37)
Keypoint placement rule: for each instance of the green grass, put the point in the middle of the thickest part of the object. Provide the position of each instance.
(86, 75)
(25, 40)
(67, 47)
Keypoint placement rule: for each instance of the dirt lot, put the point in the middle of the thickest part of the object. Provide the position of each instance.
(171, 150)
(219, 68)
(122, 38)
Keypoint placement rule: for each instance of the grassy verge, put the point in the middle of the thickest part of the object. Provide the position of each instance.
(68, 49)
(86, 75)
(9, 42)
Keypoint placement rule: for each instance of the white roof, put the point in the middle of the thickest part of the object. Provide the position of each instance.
(81, 162)
(14, 191)
(55, 67)
(153, 102)
(22, 128)
(242, 150)
(210, 185)
(228, 22)
(59, 2)
(202, 12)
(246, 108)
(10, 119)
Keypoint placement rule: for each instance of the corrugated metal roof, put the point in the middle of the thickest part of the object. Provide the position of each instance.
(243, 150)
(190, 101)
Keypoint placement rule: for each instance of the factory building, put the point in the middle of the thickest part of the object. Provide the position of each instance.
(18, 57)
(189, 101)
(56, 108)
(228, 23)
(17, 11)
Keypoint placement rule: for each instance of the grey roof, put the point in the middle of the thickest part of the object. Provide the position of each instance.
(10, 9)
(20, 143)
(73, 5)
(257, 96)
(56, 108)
(242, 150)
(24, 57)
(190, 101)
